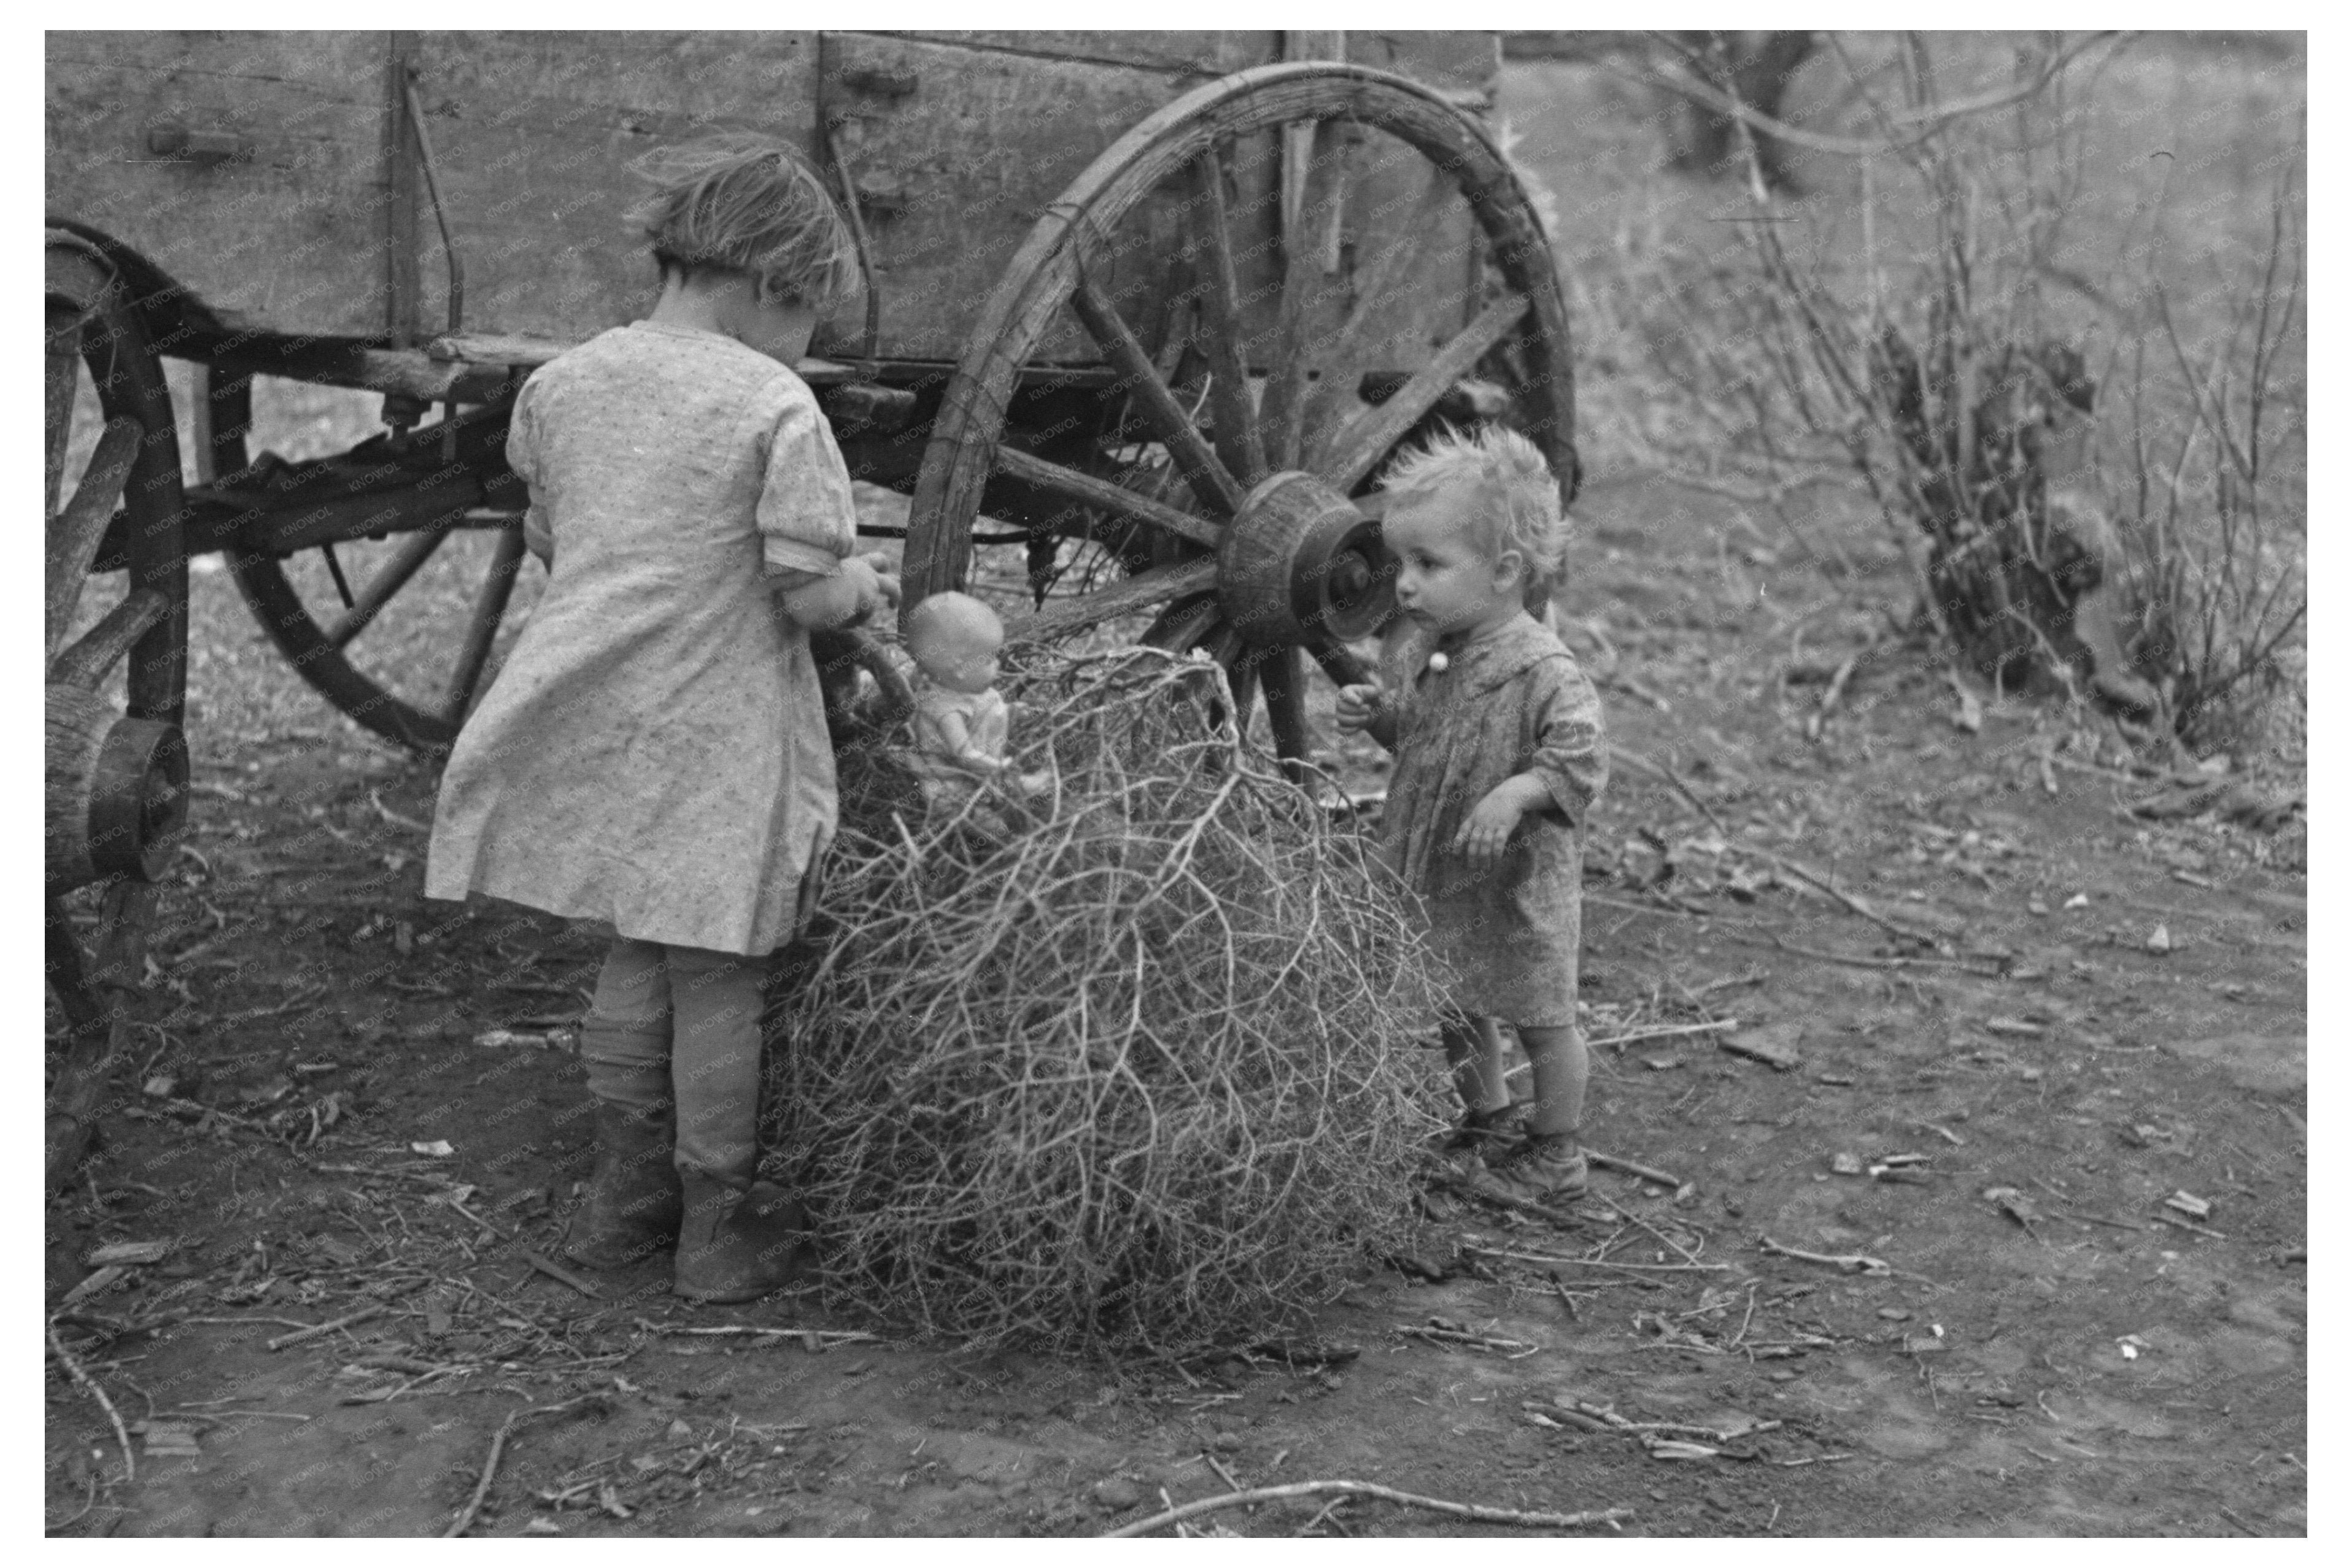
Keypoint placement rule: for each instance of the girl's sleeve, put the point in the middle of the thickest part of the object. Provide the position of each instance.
(522, 457)
(1572, 745)
(807, 520)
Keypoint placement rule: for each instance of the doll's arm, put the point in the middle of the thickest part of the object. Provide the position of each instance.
(961, 748)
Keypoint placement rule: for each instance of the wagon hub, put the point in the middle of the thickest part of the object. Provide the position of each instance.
(1300, 564)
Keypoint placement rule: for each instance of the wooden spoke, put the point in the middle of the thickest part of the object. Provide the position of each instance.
(1365, 440)
(1378, 293)
(75, 536)
(1283, 676)
(1344, 668)
(1105, 496)
(1141, 592)
(1240, 662)
(406, 563)
(1284, 404)
(1189, 449)
(482, 627)
(100, 648)
(1221, 325)
(61, 379)
(1182, 625)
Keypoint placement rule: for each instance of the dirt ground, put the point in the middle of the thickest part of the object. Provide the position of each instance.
(2077, 1360)
(353, 1120)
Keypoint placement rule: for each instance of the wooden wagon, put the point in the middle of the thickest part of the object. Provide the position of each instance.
(1151, 308)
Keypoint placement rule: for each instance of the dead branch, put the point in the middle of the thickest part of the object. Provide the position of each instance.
(498, 1448)
(74, 1371)
(315, 1330)
(1926, 120)
(1479, 1511)
(1627, 1167)
(1844, 1262)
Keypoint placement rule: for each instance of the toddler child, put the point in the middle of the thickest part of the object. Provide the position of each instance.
(1499, 755)
(653, 756)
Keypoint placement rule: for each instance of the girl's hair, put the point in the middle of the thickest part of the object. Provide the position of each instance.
(1512, 500)
(742, 202)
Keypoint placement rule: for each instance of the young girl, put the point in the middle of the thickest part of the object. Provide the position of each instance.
(653, 757)
(1499, 757)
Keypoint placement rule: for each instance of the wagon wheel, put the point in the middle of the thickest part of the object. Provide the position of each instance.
(428, 656)
(1263, 558)
(116, 766)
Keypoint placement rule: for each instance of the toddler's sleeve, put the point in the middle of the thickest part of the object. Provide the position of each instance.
(806, 517)
(1572, 745)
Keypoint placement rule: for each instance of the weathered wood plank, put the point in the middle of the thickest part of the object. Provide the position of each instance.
(291, 234)
(532, 132)
(973, 154)
(1200, 52)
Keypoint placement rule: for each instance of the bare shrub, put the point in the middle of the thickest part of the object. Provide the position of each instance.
(1135, 1067)
(2083, 498)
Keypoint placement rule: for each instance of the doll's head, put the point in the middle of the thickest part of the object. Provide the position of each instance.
(953, 639)
(1473, 519)
(749, 205)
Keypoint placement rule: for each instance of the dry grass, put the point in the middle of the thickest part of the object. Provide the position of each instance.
(1130, 1066)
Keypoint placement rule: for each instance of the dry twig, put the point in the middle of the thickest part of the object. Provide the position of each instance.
(499, 1448)
(1367, 1489)
(73, 1370)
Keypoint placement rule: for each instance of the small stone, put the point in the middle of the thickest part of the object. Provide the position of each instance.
(1227, 1442)
(1438, 662)
(1894, 1314)
(1116, 1493)
(1846, 1165)
(2080, 901)
(2159, 940)
(2036, 906)
(1782, 1376)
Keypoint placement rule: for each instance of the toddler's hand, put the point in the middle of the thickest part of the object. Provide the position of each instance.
(1488, 828)
(1356, 707)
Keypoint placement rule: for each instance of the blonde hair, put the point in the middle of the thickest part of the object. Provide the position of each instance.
(746, 204)
(1514, 504)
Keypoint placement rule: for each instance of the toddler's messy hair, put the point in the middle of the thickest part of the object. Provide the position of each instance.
(742, 203)
(1513, 503)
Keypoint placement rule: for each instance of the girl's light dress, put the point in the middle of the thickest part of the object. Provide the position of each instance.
(653, 756)
(1511, 702)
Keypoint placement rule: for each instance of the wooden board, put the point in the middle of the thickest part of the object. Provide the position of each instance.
(974, 153)
(1202, 54)
(533, 134)
(294, 236)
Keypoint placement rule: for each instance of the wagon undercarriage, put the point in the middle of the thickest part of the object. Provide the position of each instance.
(1193, 360)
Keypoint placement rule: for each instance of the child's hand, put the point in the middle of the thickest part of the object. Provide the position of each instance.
(886, 574)
(1488, 828)
(872, 588)
(1357, 706)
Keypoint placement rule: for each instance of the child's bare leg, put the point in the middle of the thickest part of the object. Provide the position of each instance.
(1473, 1051)
(1561, 1070)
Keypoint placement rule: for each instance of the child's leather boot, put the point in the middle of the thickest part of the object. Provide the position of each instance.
(737, 1243)
(634, 1200)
